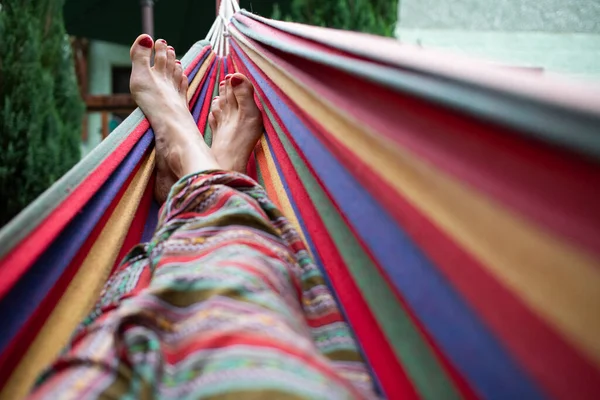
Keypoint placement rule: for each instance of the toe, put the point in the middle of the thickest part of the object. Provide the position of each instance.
(222, 89)
(140, 53)
(183, 86)
(141, 50)
(170, 61)
(220, 103)
(242, 89)
(212, 122)
(177, 74)
(216, 108)
(160, 55)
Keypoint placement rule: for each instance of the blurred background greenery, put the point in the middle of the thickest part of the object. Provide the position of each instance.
(369, 16)
(53, 110)
(41, 106)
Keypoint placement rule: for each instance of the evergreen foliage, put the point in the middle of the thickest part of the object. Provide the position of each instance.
(370, 16)
(40, 107)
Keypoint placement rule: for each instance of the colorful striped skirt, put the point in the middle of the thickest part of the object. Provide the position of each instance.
(225, 301)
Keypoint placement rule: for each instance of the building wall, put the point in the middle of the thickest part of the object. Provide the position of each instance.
(560, 36)
(102, 57)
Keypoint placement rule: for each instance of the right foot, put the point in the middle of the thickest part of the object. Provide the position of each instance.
(236, 123)
(161, 92)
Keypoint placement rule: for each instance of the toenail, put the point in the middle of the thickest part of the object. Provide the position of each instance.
(178, 62)
(171, 48)
(162, 41)
(236, 80)
(228, 76)
(146, 42)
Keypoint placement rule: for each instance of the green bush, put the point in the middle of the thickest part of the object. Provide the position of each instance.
(370, 16)
(40, 107)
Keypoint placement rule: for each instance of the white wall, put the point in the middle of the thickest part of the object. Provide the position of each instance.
(560, 36)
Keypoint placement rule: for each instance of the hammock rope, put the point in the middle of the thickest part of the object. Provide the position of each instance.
(452, 206)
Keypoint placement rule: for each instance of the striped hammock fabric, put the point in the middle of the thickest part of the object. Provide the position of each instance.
(454, 208)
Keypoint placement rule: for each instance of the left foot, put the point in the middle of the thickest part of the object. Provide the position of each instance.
(161, 92)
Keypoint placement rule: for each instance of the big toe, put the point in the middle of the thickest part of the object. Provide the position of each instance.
(141, 51)
(140, 54)
(242, 90)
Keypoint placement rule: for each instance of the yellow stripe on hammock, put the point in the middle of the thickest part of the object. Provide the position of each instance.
(83, 291)
(193, 86)
(284, 201)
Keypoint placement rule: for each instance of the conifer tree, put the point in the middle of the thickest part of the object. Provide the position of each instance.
(370, 16)
(40, 107)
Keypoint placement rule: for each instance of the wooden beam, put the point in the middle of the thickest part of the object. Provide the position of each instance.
(105, 127)
(114, 103)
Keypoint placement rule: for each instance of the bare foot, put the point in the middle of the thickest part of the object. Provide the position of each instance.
(160, 91)
(236, 123)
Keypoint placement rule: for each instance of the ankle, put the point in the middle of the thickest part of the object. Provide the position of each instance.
(198, 157)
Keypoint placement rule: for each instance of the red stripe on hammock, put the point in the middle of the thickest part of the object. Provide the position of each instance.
(14, 264)
(30, 329)
(195, 61)
(136, 230)
(199, 88)
(203, 117)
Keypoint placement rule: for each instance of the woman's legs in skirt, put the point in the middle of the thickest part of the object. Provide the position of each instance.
(225, 301)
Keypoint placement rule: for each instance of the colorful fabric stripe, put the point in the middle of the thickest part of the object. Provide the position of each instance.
(451, 206)
(240, 310)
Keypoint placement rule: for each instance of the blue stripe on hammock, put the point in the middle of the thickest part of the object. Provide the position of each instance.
(24, 298)
(28, 293)
(444, 313)
(151, 222)
(225, 66)
(194, 71)
(319, 264)
(199, 103)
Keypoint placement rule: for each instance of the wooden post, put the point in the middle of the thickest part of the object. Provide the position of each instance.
(147, 16)
(80, 54)
(105, 122)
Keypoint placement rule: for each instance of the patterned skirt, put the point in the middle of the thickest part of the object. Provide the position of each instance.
(224, 302)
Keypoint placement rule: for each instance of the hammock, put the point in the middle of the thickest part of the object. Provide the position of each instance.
(453, 207)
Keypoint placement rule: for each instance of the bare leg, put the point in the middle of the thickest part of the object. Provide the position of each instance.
(160, 91)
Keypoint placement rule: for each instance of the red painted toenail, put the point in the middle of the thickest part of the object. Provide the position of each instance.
(228, 76)
(178, 62)
(236, 80)
(171, 48)
(162, 41)
(146, 42)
